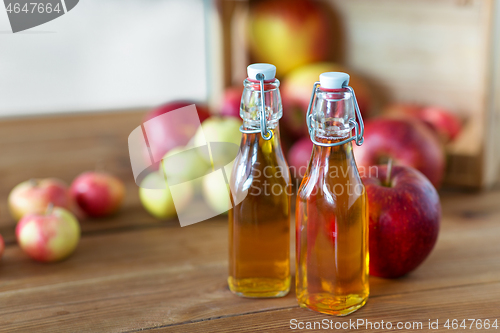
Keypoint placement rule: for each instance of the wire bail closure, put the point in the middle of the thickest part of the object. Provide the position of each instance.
(266, 133)
(359, 129)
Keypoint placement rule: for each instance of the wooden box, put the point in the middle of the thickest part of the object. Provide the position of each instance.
(441, 52)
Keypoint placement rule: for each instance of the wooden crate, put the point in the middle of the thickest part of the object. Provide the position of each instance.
(441, 52)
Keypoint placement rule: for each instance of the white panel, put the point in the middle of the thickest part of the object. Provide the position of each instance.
(105, 54)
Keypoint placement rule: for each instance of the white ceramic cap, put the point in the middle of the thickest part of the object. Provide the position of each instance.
(333, 80)
(268, 70)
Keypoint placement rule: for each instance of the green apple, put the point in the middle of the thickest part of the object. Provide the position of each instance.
(216, 192)
(220, 129)
(183, 164)
(156, 196)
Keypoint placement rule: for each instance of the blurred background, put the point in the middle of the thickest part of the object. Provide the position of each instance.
(73, 89)
(106, 55)
(402, 55)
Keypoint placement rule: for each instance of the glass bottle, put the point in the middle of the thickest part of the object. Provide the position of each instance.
(259, 222)
(331, 210)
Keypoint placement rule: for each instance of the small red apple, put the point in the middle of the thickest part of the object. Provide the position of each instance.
(404, 217)
(164, 135)
(287, 33)
(446, 124)
(407, 141)
(231, 102)
(299, 156)
(443, 121)
(97, 193)
(48, 237)
(33, 196)
(2, 246)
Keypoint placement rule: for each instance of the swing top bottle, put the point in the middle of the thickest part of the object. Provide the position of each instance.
(259, 223)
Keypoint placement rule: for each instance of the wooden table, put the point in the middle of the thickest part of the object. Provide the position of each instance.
(133, 273)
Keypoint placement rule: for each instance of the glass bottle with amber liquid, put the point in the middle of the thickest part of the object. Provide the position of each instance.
(259, 222)
(331, 210)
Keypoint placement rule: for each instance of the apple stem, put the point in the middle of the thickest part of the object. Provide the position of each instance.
(50, 207)
(33, 182)
(389, 171)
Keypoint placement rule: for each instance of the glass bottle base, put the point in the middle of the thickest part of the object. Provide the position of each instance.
(333, 305)
(259, 287)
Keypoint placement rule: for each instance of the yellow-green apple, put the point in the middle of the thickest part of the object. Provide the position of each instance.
(446, 124)
(231, 102)
(220, 130)
(288, 33)
(406, 141)
(183, 164)
(156, 196)
(33, 196)
(299, 156)
(48, 237)
(2, 246)
(97, 194)
(165, 135)
(404, 218)
(216, 191)
(296, 91)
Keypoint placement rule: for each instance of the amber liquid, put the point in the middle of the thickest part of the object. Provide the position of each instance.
(259, 226)
(332, 234)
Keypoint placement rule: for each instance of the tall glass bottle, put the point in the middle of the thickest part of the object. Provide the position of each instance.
(259, 223)
(331, 212)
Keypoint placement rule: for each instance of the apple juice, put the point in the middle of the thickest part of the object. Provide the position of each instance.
(259, 222)
(331, 213)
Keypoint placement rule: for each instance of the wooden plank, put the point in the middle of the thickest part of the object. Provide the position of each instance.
(63, 147)
(478, 302)
(130, 217)
(171, 275)
(116, 253)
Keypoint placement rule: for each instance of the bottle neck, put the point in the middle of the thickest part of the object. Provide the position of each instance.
(332, 113)
(251, 104)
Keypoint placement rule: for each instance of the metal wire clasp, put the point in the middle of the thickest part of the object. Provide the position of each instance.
(359, 129)
(264, 131)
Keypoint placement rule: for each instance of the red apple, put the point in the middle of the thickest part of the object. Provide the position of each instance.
(164, 135)
(297, 88)
(287, 33)
(404, 218)
(299, 156)
(33, 196)
(2, 246)
(48, 237)
(97, 194)
(231, 102)
(408, 142)
(446, 124)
